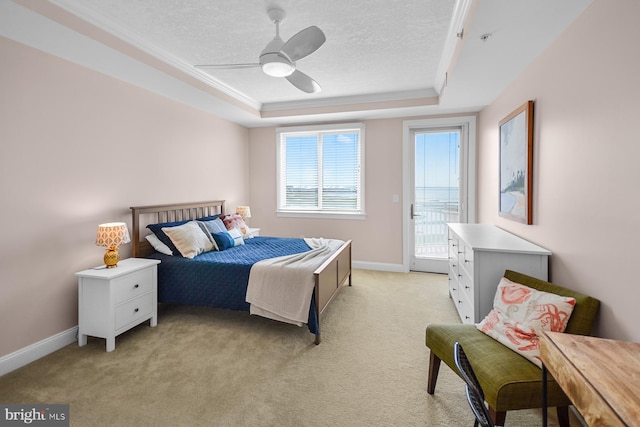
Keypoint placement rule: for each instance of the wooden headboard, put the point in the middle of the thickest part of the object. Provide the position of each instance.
(144, 215)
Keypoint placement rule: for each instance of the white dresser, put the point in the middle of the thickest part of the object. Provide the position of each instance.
(112, 301)
(479, 254)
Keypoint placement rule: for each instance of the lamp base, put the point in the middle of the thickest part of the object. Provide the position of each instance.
(111, 257)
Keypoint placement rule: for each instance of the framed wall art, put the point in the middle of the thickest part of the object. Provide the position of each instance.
(516, 164)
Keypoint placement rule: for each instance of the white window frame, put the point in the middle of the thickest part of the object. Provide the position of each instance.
(320, 213)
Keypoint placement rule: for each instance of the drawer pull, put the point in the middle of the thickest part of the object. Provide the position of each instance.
(466, 260)
(136, 286)
(136, 310)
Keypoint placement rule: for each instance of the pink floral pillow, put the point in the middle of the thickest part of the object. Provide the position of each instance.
(521, 313)
(236, 221)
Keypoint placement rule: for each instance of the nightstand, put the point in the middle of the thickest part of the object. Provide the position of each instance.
(254, 231)
(114, 300)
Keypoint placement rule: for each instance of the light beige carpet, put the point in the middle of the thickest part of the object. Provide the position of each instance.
(211, 367)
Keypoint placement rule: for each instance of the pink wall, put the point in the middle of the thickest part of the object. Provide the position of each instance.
(78, 148)
(586, 88)
(376, 239)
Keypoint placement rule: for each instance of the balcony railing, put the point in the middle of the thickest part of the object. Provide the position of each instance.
(431, 227)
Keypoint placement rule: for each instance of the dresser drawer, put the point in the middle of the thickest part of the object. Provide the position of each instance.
(465, 308)
(453, 283)
(466, 285)
(466, 259)
(454, 245)
(129, 312)
(132, 285)
(453, 265)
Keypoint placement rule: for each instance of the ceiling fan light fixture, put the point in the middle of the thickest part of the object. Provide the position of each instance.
(275, 65)
(278, 59)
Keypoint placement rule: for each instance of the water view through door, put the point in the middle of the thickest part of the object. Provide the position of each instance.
(436, 196)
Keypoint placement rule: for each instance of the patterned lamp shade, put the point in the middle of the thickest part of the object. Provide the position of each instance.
(112, 235)
(244, 212)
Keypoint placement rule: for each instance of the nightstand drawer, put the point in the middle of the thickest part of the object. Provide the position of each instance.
(140, 308)
(132, 285)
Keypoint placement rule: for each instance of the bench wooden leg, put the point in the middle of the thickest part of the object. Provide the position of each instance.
(434, 368)
(498, 418)
(563, 416)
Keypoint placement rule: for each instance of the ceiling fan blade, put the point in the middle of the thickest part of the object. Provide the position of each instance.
(304, 43)
(303, 82)
(227, 66)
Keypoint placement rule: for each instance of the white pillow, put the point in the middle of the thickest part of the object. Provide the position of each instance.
(189, 239)
(236, 235)
(158, 245)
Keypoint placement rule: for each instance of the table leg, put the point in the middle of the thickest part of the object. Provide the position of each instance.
(544, 396)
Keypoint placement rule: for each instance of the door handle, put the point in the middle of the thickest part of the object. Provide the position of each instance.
(413, 213)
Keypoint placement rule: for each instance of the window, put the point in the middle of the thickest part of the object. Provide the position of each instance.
(320, 170)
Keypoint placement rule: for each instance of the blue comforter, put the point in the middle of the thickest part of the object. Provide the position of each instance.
(220, 278)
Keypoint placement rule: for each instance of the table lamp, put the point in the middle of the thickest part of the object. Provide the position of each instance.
(244, 212)
(112, 235)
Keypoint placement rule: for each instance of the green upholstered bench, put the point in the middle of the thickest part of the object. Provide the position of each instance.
(509, 381)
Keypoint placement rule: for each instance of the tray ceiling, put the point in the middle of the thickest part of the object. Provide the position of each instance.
(381, 58)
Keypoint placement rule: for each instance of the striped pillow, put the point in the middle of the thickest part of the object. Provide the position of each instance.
(189, 239)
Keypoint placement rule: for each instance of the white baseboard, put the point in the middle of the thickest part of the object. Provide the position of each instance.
(378, 266)
(35, 351)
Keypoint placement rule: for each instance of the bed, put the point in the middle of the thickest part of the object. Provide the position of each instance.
(216, 278)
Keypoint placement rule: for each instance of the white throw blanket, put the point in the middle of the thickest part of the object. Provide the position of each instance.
(281, 288)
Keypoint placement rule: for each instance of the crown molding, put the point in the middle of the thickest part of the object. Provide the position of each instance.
(92, 17)
(454, 36)
(342, 101)
(88, 14)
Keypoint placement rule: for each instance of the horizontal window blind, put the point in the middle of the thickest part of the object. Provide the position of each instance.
(320, 170)
(301, 167)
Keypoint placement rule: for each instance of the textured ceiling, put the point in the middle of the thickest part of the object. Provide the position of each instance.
(371, 47)
(382, 58)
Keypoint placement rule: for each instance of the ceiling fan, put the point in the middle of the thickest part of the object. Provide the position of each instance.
(278, 58)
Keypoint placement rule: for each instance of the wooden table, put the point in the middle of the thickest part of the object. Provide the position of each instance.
(600, 376)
